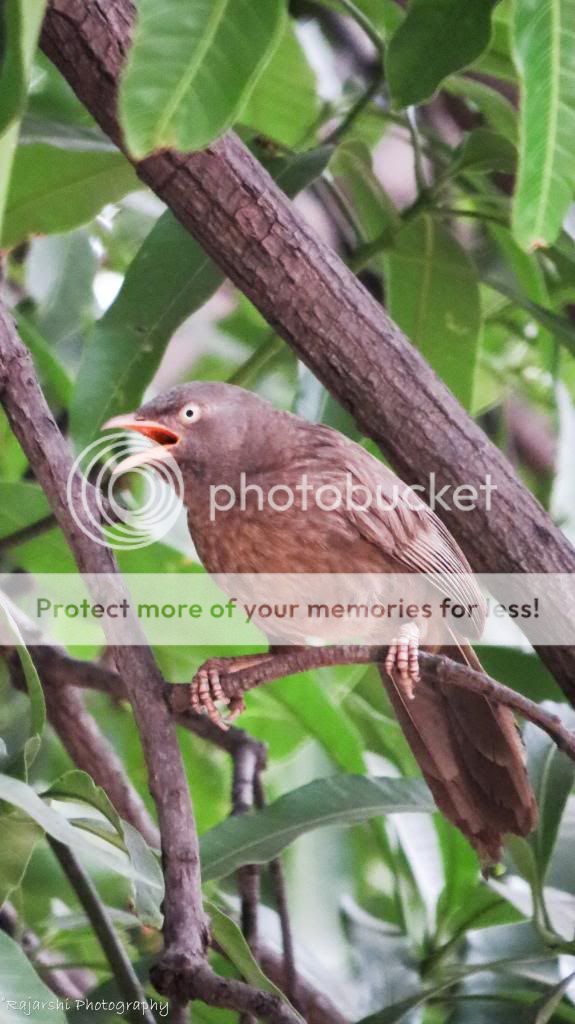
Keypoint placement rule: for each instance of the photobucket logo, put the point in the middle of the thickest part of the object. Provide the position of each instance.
(109, 513)
(349, 495)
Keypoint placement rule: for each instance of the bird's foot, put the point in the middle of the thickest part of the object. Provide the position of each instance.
(214, 684)
(402, 659)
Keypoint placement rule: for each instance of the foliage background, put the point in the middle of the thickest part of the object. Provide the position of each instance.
(432, 146)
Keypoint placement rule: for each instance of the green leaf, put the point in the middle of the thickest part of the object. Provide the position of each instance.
(79, 786)
(191, 69)
(19, 837)
(520, 670)
(20, 21)
(524, 859)
(552, 775)
(495, 108)
(285, 105)
(436, 38)
(169, 278)
(10, 633)
(320, 716)
(384, 15)
(496, 60)
(352, 168)
(340, 800)
(23, 996)
(148, 882)
(64, 296)
(55, 190)
(460, 871)
(64, 134)
(543, 52)
(19, 794)
(398, 1011)
(524, 266)
(433, 294)
(230, 939)
(484, 151)
(294, 173)
(21, 504)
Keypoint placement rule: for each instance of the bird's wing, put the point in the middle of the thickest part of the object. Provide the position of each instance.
(405, 529)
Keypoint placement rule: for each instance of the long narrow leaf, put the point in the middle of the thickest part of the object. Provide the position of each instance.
(543, 50)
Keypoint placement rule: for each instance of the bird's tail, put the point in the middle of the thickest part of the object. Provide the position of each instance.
(470, 752)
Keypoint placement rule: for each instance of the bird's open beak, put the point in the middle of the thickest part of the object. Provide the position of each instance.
(163, 437)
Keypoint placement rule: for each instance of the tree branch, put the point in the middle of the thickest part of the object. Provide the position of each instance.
(183, 971)
(58, 670)
(51, 461)
(292, 982)
(101, 922)
(435, 670)
(69, 983)
(62, 675)
(177, 978)
(229, 203)
(26, 533)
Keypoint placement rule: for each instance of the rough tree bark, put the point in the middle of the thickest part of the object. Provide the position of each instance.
(229, 203)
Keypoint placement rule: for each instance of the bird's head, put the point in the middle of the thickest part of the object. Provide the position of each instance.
(203, 425)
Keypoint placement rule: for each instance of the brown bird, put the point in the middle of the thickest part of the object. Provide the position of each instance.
(468, 748)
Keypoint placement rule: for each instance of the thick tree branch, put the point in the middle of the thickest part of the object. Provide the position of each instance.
(51, 461)
(240, 217)
(177, 978)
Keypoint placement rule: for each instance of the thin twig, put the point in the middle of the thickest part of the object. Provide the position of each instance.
(263, 357)
(419, 170)
(291, 981)
(373, 88)
(124, 974)
(26, 533)
(67, 982)
(245, 767)
(226, 993)
(60, 673)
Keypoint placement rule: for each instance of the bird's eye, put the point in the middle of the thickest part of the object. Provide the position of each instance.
(189, 413)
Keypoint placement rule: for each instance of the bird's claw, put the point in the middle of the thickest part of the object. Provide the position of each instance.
(402, 658)
(209, 687)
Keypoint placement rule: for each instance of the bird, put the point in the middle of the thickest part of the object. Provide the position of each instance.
(468, 748)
